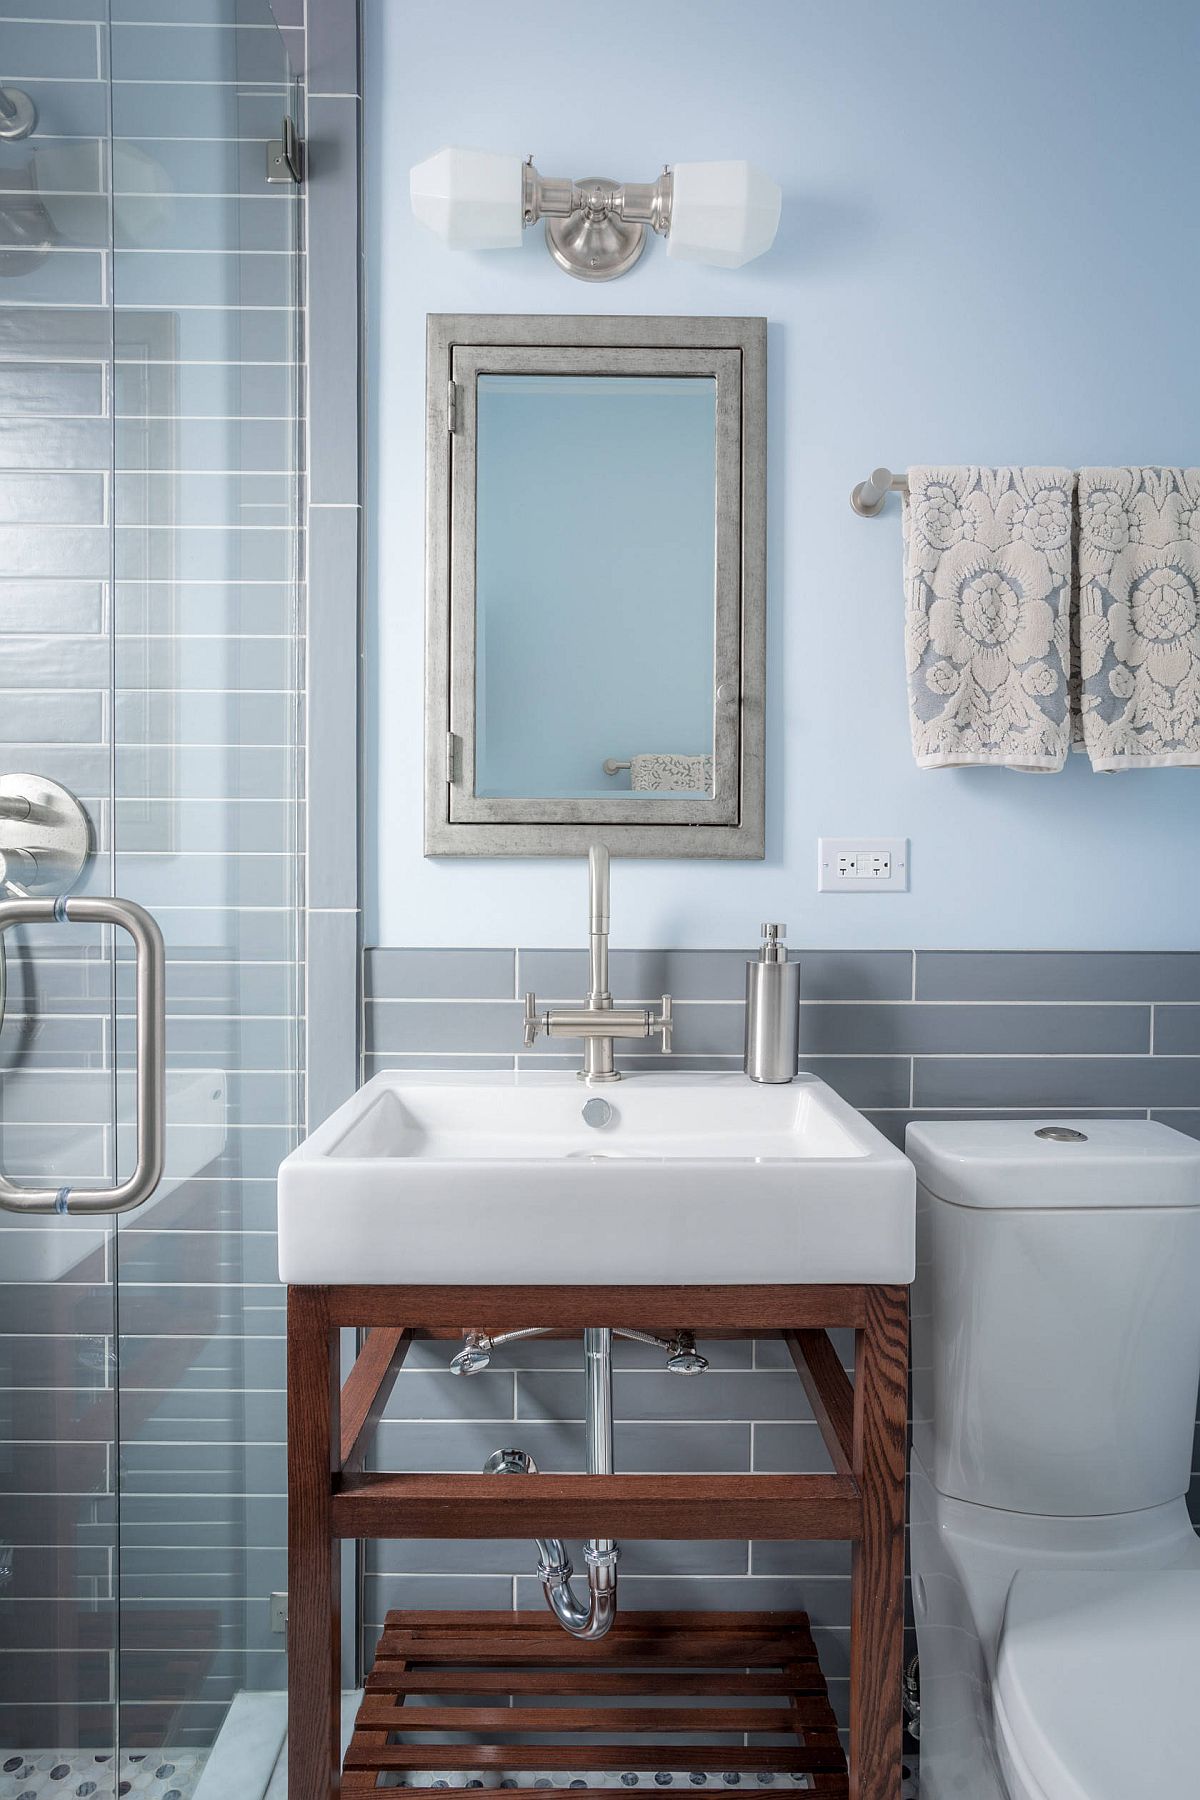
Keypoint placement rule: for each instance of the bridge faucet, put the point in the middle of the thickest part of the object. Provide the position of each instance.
(597, 1021)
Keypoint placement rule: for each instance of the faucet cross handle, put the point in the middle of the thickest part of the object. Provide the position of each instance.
(533, 1024)
(665, 1023)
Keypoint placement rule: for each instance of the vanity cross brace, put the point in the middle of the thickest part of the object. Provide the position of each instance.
(767, 1662)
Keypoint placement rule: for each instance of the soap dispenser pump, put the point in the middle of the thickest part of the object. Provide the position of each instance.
(772, 1010)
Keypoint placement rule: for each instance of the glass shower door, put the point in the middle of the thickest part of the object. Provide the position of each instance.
(150, 659)
(59, 1620)
(206, 834)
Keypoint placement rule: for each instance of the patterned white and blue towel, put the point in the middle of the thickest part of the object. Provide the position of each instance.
(987, 578)
(1139, 617)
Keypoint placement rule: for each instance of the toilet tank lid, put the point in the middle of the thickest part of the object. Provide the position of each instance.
(1005, 1163)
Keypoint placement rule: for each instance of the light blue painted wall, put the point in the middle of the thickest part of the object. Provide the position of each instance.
(988, 254)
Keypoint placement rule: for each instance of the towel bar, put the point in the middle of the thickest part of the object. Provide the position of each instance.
(151, 1053)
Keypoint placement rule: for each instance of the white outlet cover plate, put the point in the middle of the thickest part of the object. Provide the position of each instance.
(862, 865)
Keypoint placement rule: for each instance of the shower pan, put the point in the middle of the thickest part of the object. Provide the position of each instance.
(150, 661)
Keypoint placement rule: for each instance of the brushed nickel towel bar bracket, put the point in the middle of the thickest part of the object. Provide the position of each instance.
(868, 497)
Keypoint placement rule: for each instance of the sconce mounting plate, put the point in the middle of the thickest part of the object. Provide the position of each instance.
(594, 243)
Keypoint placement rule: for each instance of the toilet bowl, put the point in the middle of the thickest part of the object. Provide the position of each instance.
(1056, 1354)
(1085, 1655)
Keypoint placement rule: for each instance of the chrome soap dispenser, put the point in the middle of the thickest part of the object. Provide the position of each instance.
(772, 1010)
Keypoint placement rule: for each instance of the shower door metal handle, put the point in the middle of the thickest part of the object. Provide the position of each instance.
(151, 1054)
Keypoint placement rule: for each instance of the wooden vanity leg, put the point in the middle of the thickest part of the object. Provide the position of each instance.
(314, 1584)
(877, 1575)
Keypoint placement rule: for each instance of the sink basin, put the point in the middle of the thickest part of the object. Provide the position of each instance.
(497, 1178)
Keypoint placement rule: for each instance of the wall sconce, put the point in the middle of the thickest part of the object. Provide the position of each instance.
(723, 213)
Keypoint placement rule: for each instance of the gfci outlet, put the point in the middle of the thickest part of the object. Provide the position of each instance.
(862, 865)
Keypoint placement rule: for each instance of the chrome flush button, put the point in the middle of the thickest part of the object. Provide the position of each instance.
(597, 1113)
(1061, 1134)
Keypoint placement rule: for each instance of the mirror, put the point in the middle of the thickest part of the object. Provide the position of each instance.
(618, 651)
(595, 614)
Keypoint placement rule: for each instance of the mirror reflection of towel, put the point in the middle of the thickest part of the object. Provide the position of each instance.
(679, 774)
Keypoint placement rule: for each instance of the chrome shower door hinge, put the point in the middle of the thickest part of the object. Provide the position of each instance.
(285, 156)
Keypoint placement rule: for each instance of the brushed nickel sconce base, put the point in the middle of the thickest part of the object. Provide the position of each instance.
(594, 243)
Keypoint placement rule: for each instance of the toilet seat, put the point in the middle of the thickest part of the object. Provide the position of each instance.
(1097, 1691)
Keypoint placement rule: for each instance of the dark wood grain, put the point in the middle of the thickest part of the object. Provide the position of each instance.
(757, 1636)
(823, 1733)
(802, 1678)
(662, 1658)
(573, 1506)
(829, 1393)
(741, 1659)
(314, 1588)
(757, 1308)
(649, 1651)
(501, 1720)
(367, 1388)
(877, 1573)
(779, 1758)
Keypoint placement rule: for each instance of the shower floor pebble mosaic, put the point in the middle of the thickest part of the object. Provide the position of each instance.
(82, 1775)
(629, 1778)
(641, 1778)
(165, 1775)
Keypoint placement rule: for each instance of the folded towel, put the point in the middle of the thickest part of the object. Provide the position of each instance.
(987, 577)
(680, 774)
(1139, 617)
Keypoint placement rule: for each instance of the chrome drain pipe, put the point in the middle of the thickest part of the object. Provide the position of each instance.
(555, 1569)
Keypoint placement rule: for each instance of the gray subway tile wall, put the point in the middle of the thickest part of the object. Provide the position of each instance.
(901, 1034)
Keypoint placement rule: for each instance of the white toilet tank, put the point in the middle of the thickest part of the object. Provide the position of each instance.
(1056, 1312)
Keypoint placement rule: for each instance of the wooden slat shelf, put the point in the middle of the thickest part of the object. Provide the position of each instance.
(666, 1660)
(630, 1506)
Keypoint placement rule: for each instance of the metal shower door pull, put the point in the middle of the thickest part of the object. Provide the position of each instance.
(151, 1053)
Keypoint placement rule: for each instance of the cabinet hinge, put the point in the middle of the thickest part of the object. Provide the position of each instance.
(451, 757)
(451, 407)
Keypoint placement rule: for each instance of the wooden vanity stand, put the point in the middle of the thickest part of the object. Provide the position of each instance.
(765, 1662)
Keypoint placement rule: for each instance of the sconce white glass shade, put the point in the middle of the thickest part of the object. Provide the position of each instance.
(723, 213)
(474, 199)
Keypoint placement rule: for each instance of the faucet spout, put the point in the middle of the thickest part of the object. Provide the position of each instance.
(597, 1021)
(598, 1061)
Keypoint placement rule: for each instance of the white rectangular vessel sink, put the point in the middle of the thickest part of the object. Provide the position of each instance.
(499, 1179)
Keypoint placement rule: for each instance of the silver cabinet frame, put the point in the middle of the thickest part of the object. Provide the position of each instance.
(732, 351)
